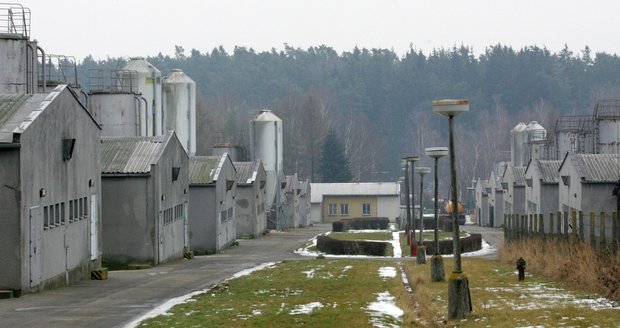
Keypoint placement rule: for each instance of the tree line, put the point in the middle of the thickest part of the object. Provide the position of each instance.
(377, 103)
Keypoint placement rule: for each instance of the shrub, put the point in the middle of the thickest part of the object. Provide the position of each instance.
(330, 245)
(471, 243)
(361, 224)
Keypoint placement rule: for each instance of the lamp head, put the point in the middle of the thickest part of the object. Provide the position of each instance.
(411, 158)
(450, 107)
(422, 170)
(436, 152)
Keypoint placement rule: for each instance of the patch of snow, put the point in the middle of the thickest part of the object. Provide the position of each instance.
(387, 272)
(252, 270)
(306, 308)
(309, 273)
(396, 244)
(384, 308)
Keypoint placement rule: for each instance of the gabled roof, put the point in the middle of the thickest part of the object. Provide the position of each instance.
(205, 169)
(519, 175)
(596, 167)
(353, 189)
(549, 171)
(246, 172)
(131, 155)
(18, 111)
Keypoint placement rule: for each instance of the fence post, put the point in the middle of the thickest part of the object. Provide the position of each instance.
(541, 224)
(592, 229)
(602, 231)
(565, 221)
(515, 225)
(559, 221)
(574, 223)
(581, 233)
(523, 224)
(506, 225)
(615, 231)
(551, 224)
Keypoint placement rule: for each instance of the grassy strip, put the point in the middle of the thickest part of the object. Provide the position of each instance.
(270, 298)
(406, 249)
(500, 300)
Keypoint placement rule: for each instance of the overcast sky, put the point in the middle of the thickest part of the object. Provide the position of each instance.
(146, 27)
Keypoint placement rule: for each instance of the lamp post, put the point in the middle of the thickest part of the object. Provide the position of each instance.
(437, 272)
(410, 217)
(459, 301)
(421, 257)
(407, 203)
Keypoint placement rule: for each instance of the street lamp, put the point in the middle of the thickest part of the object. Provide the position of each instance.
(437, 272)
(421, 257)
(410, 218)
(459, 302)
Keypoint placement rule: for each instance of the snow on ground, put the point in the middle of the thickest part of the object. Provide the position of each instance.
(163, 308)
(306, 308)
(387, 272)
(309, 273)
(384, 308)
(396, 244)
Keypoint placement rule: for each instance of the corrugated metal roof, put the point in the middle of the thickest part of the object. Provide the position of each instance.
(246, 172)
(202, 169)
(9, 104)
(129, 155)
(346, 189)
(519, 175)
(599, 167)
(549, 171)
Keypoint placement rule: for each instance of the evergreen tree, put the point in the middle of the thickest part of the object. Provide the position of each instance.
(334, 164)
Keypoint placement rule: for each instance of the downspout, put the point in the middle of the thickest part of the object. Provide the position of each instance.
(82, 92)
(138, 110)
(189, 119)
(146, 109)
(43, 68)
(154, 109)
(29, 65)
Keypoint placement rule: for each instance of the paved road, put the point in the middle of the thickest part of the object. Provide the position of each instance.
(129, 294)
(493, 236)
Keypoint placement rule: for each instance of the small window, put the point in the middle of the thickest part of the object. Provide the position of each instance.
(63, 218)
(366, 209)
(331, 209)
(57, 215)
(46, 217)
(85, 213)
(344, 209)
(223, 217)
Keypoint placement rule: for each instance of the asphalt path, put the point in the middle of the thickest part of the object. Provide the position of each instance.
(127, 295)
(493, 236)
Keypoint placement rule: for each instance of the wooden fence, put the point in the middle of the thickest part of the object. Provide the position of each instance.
(601, 230)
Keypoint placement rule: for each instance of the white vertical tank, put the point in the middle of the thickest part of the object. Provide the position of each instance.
(516, 144)
(609, 136)
(179, 92)
(18, 55)
(149, 85)
(266, 145)
(536, 137)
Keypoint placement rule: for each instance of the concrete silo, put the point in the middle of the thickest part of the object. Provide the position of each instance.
(114, 101)
(607, 127)
(149, 85)
(266, 145)
(536, 140)
(516, 144)
(179, 100)
(19, 70)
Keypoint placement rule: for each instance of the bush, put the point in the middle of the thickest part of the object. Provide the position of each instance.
(330, 245)
(361, 224)
(471, 243)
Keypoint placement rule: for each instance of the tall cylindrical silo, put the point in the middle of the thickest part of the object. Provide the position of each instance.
(516, 144)
(536, 137)
(19, 55)
(179, 92)
(609, 136)
(149, 85)
(266, 145)
(118, 113)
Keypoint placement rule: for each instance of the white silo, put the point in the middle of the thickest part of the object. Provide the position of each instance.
(607, 126)
(536, 138)
(266, 145)
(149, 85)
(19, 55)
(516, 144)
(179, 92)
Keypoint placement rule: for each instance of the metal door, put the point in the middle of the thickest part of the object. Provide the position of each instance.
(36, 234)
(94, 228)
(492, 216)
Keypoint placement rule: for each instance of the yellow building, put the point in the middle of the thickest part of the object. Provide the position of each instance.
(335, 201)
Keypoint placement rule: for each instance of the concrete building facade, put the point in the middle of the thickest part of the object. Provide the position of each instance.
(50, 200)
(145, 190)
(250, 199)
(212, 210)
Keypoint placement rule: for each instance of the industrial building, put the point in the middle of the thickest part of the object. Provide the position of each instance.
(541, 191)
(145, 192)
(513, 181)
(212, 210)
(266, 146)
(335, 201)
(179, 101)
(250, 199)
(482, 202)
(289, 200)
(50, 192)
(305, 206)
